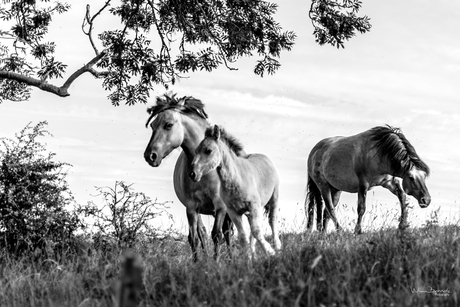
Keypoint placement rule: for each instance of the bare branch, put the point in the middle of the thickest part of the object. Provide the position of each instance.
(86, 68)
(88, 20)
(41, 84)
(61, 91)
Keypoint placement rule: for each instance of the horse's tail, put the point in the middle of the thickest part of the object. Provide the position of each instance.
(313, 198)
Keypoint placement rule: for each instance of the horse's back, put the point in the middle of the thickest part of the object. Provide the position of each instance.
(263, 165)
(335, 160)
(341, 161)
(323, 149)
(263, 173)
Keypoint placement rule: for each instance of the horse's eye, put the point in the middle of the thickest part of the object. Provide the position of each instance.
(168, 126)
(208, 151)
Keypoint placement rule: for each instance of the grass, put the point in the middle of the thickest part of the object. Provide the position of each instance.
(382, 268)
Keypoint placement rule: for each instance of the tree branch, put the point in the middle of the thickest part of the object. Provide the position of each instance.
(86, 68)
(61, 91)
(41, 84)
(88, 20)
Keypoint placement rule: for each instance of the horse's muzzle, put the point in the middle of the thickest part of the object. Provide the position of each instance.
(152, 159)
(425, 201)
(193, 176)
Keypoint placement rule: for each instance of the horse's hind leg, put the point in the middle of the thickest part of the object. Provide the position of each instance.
(335, 195)
(314, 198)
(255, 218)
(320, 219)
(273, 211)
(237, 220)
(326, 192)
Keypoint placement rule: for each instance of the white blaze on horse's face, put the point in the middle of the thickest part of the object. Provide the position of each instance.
(414, 185)
(207, 158)
(167, 134)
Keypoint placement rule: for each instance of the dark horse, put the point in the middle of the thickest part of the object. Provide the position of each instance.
(381, 156)
(182, 122)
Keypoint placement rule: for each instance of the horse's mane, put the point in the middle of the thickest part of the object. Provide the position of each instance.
(232, 142)
(186, 104)
(392, 143)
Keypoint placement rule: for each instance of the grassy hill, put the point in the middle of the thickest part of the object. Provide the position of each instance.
(419, 267)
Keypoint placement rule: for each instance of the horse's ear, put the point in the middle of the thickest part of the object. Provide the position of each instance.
(181, 101)
(216, 132)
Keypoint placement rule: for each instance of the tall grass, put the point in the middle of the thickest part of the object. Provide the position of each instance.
(418, 267)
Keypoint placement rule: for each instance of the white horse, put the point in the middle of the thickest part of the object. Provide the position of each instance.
(182, 122)
(249, 183)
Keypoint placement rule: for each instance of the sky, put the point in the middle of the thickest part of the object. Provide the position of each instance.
(404, 72)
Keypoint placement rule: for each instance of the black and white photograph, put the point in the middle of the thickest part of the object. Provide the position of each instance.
(229, 153)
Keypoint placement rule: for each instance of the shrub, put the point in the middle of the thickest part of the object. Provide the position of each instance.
(123, 215)
(34, 195)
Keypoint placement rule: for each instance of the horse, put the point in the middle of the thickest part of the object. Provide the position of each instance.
(380, 156)
(249, 183)
(182, 122)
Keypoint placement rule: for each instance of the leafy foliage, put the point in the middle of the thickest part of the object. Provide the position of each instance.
(33, 195)
(159, 41)
(337, 21)
(29, 21)
(123, 214)
(207, 34)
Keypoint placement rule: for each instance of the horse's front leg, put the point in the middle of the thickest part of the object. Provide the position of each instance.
(201, 231)
(227, 229)
(403, 224)
(220, 219)
(216, 233)
(192, 217)
(394, 185)
(402, 196)
(362, 193)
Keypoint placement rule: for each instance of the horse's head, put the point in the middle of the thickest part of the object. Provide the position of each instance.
(208, 155)
(167, 134)
(414, 185)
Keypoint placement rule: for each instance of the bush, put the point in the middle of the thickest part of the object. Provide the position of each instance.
(34, 196)
(123, 215)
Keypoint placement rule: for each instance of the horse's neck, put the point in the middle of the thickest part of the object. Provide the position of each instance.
(228, 170)
(384, 166)
(193, 135)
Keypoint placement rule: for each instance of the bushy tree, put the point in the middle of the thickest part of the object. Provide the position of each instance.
(122, 214)
(34, 195)
(157, 42)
